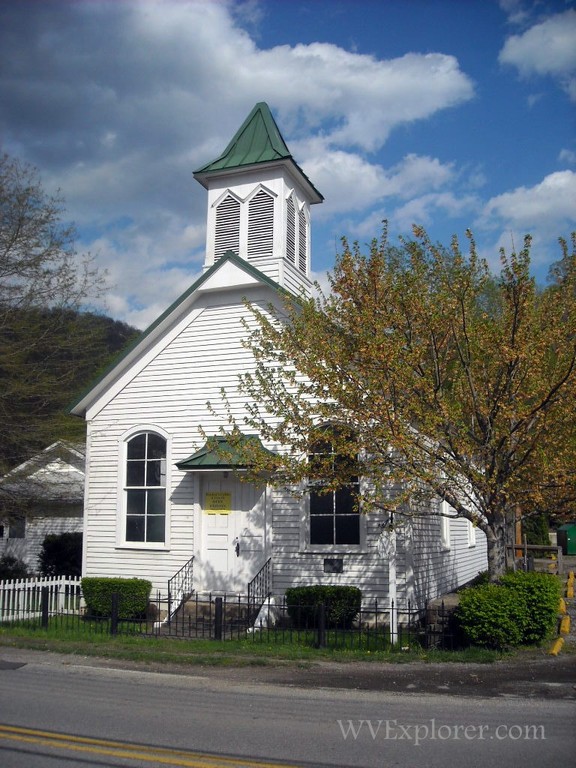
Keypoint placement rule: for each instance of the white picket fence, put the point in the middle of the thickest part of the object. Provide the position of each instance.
(21, 599)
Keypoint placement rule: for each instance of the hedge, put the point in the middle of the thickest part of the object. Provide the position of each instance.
(540, 594)
(133, 596)
(490, 616)
(521, 609)
(342, 605)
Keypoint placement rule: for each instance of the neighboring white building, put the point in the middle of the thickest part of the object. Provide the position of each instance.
(49, 489)
(157, 497)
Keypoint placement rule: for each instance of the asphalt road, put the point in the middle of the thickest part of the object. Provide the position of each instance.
(65, 711)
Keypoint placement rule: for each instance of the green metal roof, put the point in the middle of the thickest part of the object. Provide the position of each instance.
(258, 140)
(220, 453)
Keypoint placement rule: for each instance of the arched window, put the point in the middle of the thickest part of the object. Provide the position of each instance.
(334, 514)
(145, 488)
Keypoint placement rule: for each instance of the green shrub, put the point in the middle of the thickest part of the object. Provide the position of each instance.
(491, 616)
(61, 555)
(12, 568)
(342, 605)
(522, 609)
(539, 593)
(133, 596)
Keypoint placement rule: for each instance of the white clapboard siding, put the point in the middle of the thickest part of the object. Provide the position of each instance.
(170, 393)
(438, 569)
(295, 566)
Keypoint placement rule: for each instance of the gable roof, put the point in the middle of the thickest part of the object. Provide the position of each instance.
(54, 474)
(162, 323)
(257, 141)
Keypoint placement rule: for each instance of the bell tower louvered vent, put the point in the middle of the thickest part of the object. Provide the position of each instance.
(290, 231)
(259, 205)
(227, 230)
(302, 241)
(260, 225)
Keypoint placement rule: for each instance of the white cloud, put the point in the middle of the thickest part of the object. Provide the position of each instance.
(551, 202)
(546, 211)
(354, 183)
(547, 48)
(118, 103)
(426, 209)
(567, 156)
(543, 251)
(417, 174)
(514, 8)
(147, 274)
(365, 98)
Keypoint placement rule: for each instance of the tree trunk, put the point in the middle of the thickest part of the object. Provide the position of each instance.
(496, 541)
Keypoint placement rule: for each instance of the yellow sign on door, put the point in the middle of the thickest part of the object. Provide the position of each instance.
(218, 503)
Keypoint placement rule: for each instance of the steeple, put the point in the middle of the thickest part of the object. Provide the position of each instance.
(258, 140)
(259, 202)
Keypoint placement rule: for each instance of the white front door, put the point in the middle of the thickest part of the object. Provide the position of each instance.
(233, 532)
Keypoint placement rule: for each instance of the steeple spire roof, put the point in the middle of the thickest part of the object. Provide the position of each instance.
(257, 141)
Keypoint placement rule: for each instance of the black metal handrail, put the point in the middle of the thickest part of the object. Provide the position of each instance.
(259, 590)
(180, 587)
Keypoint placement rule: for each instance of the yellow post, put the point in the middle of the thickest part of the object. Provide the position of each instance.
(565, 625)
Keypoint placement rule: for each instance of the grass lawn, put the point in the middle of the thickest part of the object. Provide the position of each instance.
(269, 649)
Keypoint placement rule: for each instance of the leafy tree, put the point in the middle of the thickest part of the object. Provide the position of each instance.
(44, 341)
(443, 382)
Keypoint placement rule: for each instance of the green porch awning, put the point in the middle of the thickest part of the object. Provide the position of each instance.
(222, 453)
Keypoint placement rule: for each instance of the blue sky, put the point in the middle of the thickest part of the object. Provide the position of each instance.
(452, 114)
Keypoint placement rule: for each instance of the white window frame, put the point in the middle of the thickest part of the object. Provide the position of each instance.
(337, 549)
(121, 541)
(327, 549)
(445, 527)
(471, 533)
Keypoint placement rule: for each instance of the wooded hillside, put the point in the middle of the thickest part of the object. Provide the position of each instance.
(47, 358)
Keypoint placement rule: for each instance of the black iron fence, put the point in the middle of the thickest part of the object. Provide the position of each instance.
(213, 616)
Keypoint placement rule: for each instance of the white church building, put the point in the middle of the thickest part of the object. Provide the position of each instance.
(158, 500)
